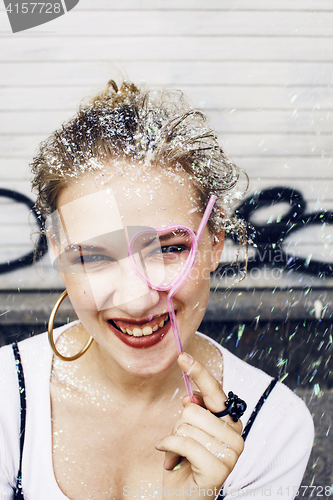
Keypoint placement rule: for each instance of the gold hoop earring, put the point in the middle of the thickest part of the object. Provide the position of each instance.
(50, 332)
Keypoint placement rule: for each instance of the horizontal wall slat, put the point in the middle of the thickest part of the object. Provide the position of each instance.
(262, 121)
(261, 96)
(18, 185)
(314, 191)
(222, 97)
(13, 214)
(282, 168)
(35, 97)
(40, 276)
(17, 234)
(164, 48)
(33, 122)
(274, 144)
(24, 146)
(296, 249)
(257, 279)
(165, 73)
(134, 22)
(14, 169)
(256, 121)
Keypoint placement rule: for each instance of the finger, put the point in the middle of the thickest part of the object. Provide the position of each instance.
(237, 426)
(198, 399)
(171, 460)
(204, 420)
(211, 390)
(213, 395)
(204, 464)
(218, 448)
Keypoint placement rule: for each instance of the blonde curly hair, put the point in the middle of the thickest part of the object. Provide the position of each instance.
(155, 127)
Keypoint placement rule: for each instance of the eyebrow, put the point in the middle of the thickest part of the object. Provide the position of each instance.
(164, 237)
(173, 234)
(80, 247)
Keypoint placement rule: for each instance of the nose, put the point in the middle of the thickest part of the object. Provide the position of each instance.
(122, 289)
(132, 294)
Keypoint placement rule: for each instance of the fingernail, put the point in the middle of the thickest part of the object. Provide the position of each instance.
(187, 358)
(158, 442)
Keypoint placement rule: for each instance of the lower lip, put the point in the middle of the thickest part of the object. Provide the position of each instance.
(144, 341)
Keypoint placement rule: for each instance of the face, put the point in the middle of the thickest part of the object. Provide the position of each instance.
(128, 318)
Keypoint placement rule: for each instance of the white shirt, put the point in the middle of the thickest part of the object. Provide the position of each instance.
(272, 464)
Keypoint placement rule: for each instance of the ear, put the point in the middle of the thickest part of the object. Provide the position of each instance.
(218, 245)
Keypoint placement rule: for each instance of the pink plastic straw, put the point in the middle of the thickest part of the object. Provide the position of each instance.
(179, 280)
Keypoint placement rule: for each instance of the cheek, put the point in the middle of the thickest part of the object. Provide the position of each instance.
(80, 293)
(199, 281)
(202, 269)
(195, 292)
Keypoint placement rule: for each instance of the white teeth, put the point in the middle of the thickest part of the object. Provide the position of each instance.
(137, 332)
(147, 330)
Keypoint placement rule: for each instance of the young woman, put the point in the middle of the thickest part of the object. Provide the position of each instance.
(126, 188)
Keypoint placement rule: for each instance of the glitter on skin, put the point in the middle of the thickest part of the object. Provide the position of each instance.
(82, 392)
(169, 136)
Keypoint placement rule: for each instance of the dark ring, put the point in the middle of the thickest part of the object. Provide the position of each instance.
(235, 407)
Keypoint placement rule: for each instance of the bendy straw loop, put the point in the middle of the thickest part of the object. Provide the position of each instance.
(180, 278)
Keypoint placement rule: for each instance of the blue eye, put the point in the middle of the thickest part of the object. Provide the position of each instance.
(95, 258)
(168, 251)
(92, 259)
(174, 248)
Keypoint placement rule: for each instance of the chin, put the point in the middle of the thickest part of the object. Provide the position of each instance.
(152, 368)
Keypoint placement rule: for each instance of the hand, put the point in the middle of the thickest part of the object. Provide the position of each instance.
(202, 449)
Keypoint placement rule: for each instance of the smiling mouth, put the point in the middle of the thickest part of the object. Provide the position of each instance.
(146, 329)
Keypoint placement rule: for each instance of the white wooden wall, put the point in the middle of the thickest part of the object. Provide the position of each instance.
(263, 69)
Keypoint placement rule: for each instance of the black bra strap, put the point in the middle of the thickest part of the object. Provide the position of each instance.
(257, 408)
(19, 370)
(255, 413)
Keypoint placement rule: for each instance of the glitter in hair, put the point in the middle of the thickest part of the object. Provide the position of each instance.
(148, 127)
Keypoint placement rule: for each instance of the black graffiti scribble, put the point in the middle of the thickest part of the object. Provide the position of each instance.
(268, 239)
(41, 246)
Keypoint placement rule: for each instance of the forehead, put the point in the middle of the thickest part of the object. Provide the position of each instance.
(103, 202)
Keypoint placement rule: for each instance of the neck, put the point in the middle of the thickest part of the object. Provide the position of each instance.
(103, 374)
(105, 371)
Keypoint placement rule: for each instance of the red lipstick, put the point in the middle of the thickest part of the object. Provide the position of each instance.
(144, 341)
